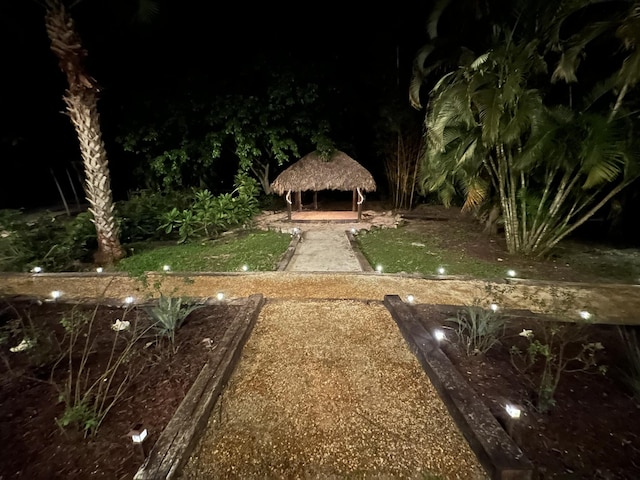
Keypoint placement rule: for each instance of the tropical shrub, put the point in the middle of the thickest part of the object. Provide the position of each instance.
(210, 215)
(55, 243)
(141, 216)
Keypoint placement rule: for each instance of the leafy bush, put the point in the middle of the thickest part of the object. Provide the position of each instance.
(478, 329)
(55, 243)
(563, 348)
(141, 216)
(169, 315)
(210, 215)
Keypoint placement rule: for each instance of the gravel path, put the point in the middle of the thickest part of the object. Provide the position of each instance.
(329, 389)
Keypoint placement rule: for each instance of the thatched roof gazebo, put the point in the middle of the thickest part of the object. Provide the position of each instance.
(313, 173)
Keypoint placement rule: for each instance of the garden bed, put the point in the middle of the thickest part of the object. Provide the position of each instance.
(590, 432)
(36, 447)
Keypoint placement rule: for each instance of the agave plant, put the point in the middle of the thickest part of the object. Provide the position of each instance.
(170, 314)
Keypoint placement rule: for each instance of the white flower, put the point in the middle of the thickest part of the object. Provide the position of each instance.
(25, 344)
(119, 326)
(526, 333)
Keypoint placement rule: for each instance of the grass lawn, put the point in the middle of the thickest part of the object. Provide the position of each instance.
(401, 250)
(257, 250)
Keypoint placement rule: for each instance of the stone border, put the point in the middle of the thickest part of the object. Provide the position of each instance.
(177, 441)
(494, 448)
(288, 255)
(364, 263)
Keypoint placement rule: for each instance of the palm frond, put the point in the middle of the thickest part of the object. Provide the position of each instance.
(604, 152)
(476, 191)
(490, 109)
(599, 90)
(147, 10)
(481, 60)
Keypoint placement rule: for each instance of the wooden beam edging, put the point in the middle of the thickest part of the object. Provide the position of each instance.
(494, 448)
(177, 441)
(364, 264)
(288, 255)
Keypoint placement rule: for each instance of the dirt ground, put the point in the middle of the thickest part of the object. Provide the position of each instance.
(589, 434)
(34, 447)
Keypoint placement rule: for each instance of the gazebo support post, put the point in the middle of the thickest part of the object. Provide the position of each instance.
(353, 203)
(360, 202)
(315, 200)
(299, 199)
(287, 199)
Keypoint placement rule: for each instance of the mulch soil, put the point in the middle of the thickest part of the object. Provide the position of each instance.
(591, 433)
(34, 446)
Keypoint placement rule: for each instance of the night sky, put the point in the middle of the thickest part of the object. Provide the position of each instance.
(186, 45)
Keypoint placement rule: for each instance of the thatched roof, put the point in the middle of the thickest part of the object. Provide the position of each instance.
(341, 172)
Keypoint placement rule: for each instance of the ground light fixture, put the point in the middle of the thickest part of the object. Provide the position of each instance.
(138, 434)
(99, 270)
(129, 300)
(220, 296)
(439, 335)
(245, 268)
(379, 268)
(354, 231)
(56, 294)
(513, 411)
(441, 271)
(411, 298)
(494, 307)
(166, 268)
(511, 273)
(585, 315)
(295, 231)
(36, 270)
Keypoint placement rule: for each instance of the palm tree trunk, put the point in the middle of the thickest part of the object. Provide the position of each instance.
(81, 99)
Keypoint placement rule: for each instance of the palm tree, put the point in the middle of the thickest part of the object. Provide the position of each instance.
(81, 99)
(550, 167)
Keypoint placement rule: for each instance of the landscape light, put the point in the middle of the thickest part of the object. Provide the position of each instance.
(138, 434)
(513, 411)
(129, 300)
(585, 315)
(410, 298)
(439, 335)
(442, 271)
(295, 231)
(245, 268)
(511, 273)
(379, 268)
(36, 269)
(354, 231)
(494, 307)
(56, 294)
(220, 296)
(99, 270)
(166, 268)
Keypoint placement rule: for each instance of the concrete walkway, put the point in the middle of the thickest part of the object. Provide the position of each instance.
(326, 250)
